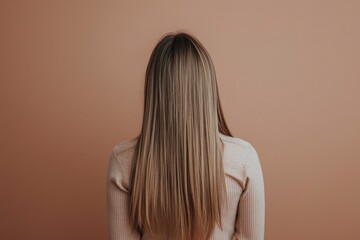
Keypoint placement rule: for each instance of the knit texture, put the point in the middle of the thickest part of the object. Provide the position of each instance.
(243, 219)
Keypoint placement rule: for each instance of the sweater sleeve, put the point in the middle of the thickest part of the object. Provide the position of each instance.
(250, 220)
(117, 203)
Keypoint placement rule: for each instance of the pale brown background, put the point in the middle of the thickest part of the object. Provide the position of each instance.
(72, 76)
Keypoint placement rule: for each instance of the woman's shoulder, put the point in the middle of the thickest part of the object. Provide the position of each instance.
(236, 141)
(123, 150)
(238, 151)
(124, 145)
(120, 163)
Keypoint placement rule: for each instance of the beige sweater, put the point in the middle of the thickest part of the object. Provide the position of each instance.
(245, 216)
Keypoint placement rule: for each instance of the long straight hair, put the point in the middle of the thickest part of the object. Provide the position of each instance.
(177, 182)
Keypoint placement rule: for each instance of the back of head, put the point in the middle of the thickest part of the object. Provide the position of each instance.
(177, 179)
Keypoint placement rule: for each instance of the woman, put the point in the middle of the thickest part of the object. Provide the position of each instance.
(185, 176)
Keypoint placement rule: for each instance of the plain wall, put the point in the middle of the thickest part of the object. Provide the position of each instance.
(72, 75)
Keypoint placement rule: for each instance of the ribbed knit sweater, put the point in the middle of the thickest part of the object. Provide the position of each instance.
(244, 219)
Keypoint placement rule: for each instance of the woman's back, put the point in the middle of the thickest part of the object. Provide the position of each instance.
(244, 217)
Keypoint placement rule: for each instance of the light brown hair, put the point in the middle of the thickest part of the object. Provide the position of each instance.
(177, 182)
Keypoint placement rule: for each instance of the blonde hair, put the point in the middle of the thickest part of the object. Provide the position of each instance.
(177, 182)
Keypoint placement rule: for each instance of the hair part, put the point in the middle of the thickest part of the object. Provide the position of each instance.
(177, 182)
